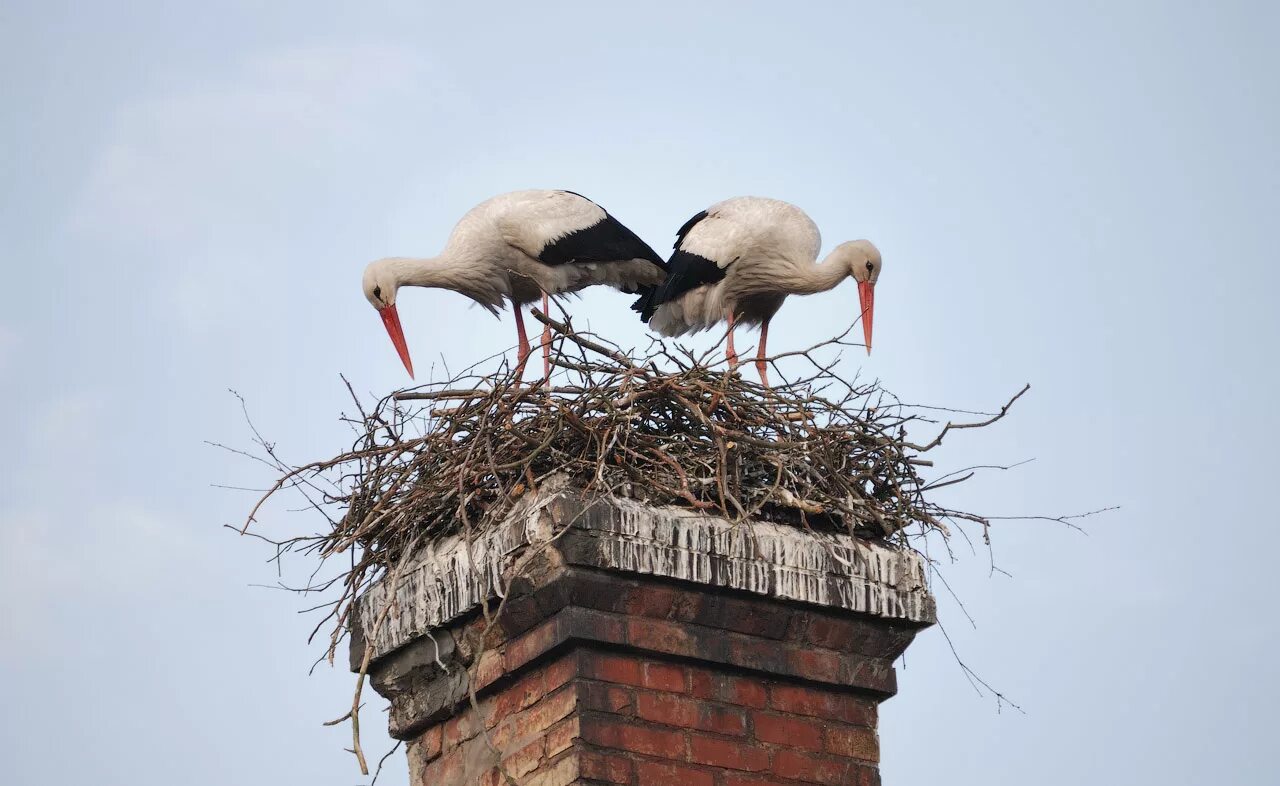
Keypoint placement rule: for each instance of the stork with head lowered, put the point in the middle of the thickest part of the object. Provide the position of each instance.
(738, 260)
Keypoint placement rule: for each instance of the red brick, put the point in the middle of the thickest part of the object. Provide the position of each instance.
(667, 708)
(608, 731)
(561, 736)
(788, 730)
(658, 773)
(613, 668)
(530, 645)
(725, 720)
(524, 760)
(719, 752)
(832, 634)
(744, 616)
(823, 704)
(515, 698)
(669, 638)
(489, 669)
(546, 712)
(446, 769)
(854, 742)
(600, 766)
(818, 665)
(649, 601)
(606, 697)
(743, 691)
(460, 728)
(560, 672)
(429, 743)
(664, 676)
(683, 712)
(814, 769)
(742, 779)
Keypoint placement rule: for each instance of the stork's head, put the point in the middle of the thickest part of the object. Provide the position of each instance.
(864, 265)
(380, 285)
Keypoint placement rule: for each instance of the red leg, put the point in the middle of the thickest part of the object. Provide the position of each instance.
(761, 366)
(730, 352)
(522, 351)
(546, 338)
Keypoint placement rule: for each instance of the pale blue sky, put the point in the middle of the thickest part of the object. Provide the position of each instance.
(1075, 195)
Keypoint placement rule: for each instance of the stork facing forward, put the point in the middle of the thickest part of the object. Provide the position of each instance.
(520, 247)
(739, 259)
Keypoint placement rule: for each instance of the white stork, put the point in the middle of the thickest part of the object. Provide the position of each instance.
(520, 247)
(738, 260)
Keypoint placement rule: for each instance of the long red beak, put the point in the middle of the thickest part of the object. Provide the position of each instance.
(392, 320)
(867, 294)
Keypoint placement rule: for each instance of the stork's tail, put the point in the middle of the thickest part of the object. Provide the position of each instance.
(646, 304)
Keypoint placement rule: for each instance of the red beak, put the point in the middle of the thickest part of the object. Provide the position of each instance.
(392, 320)
(867, 294)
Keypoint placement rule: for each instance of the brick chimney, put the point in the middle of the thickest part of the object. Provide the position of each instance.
(625, 644)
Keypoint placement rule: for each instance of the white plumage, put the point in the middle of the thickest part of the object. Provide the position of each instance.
(520, 246)
(739, 259)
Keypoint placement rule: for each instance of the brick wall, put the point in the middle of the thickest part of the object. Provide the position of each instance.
(598, 716)
(597, 679)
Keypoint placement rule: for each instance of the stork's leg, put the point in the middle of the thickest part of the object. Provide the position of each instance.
(761, 366)
(730, 352)
(522, 351)
(546, 338)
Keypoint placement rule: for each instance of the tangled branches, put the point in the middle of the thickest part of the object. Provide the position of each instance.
(815, 452)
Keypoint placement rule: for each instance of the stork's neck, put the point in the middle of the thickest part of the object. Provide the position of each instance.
(422, 271)
(811, 278)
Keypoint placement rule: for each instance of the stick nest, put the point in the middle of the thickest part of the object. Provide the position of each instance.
(665, 428)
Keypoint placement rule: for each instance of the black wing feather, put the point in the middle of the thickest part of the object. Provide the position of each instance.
(685, 271)
(607, 240)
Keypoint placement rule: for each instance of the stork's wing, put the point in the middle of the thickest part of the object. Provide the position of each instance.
(561, 227)
(702, 253)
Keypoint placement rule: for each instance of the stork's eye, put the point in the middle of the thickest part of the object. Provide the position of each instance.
(870, 266)
(377, 292)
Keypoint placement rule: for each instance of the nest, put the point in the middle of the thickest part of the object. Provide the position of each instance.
(664, 428)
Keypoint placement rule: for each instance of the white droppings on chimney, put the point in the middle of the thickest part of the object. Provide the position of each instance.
(448, 579)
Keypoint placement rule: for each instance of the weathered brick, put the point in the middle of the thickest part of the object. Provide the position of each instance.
(606, 697)
(813, 769)
(667, 708)
(728, 688)
(818, 665)
(732, 754)
(854, 742)
(459, 728)
(822, 704)
(664, 676)
(515, 697)
(608, 767)
(546, 712)
(429, 742)
(559, 672)
(787, 730)
(524, 760)
(649, 600)
(609, 731)
(747, 779)
(561, 772)
(605, 666)
(661, 772)
(669, 638)
(675, 710)
(743, 615)
(560, 737)
(531, 644)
